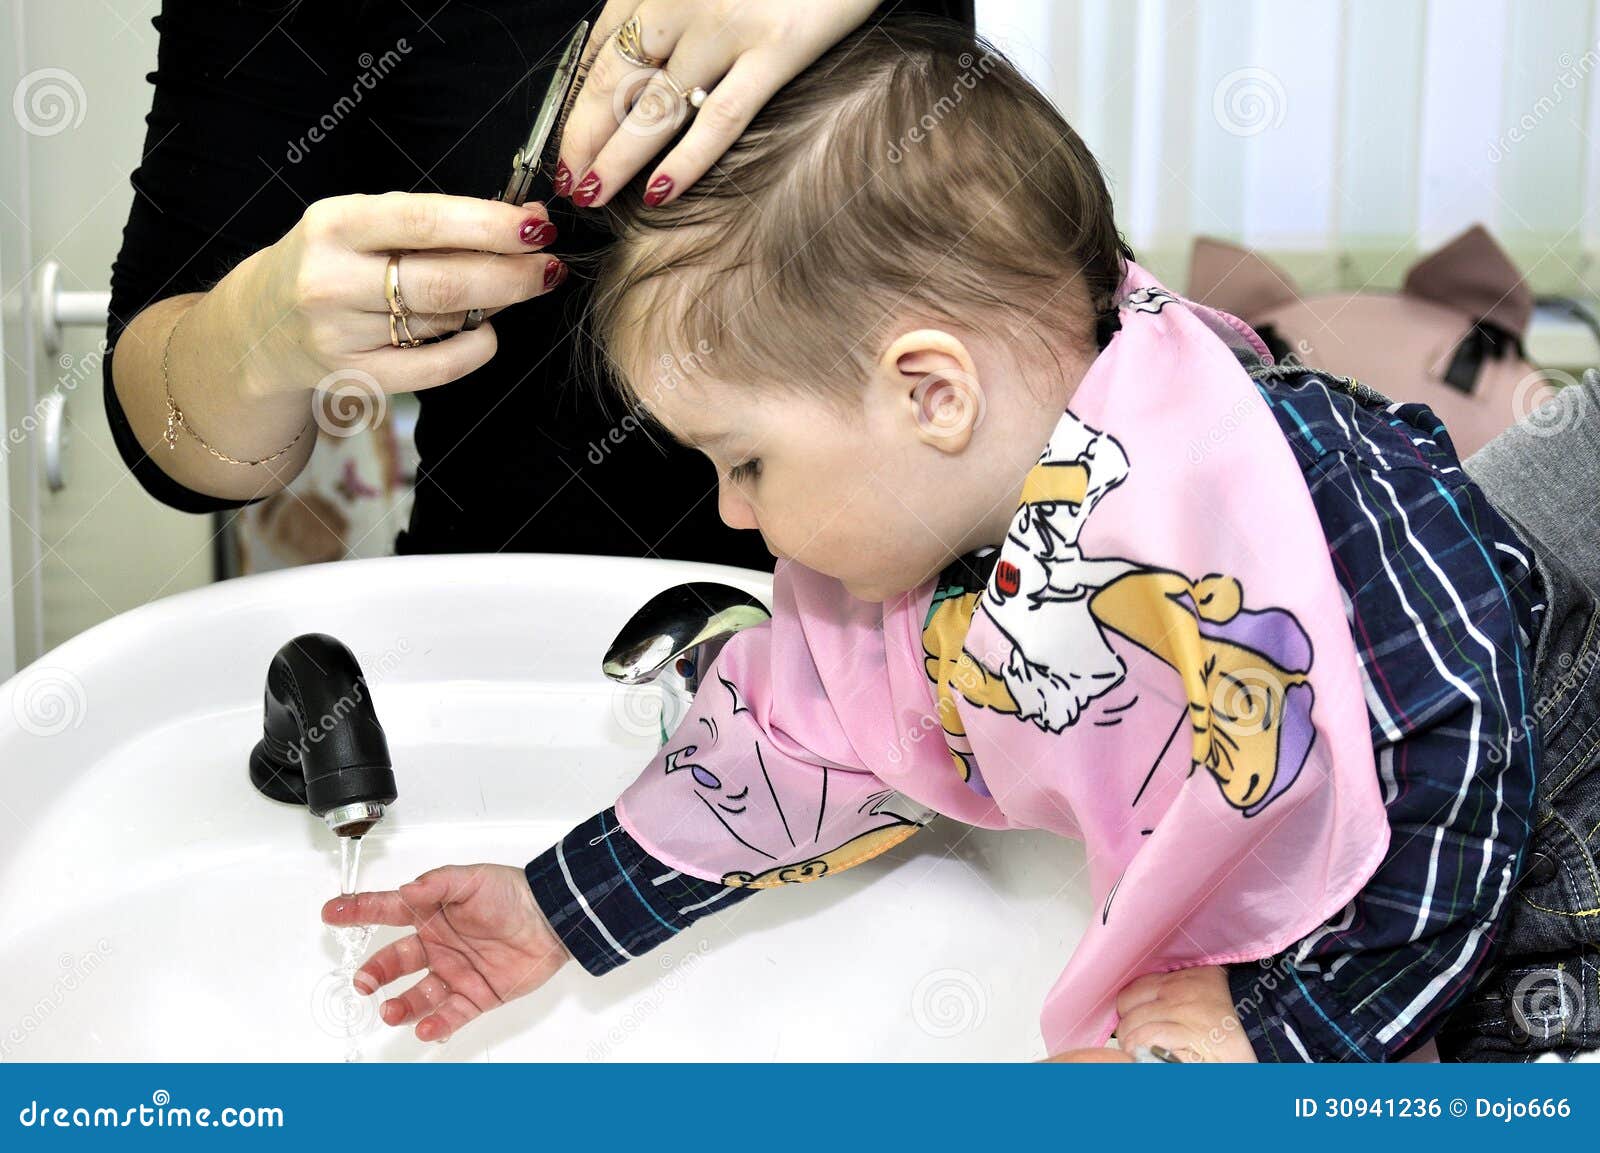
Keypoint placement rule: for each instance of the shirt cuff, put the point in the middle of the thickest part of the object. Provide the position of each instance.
(1288, 1020)
(609, 901)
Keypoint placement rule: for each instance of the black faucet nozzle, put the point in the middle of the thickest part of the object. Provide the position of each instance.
(321, 744)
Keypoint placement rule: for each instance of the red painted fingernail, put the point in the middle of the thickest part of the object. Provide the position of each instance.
(660, 188)
(563, 178)
(554, 273)
(588, 188)
(537, 232)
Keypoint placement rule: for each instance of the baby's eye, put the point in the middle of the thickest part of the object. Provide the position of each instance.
(748, 471)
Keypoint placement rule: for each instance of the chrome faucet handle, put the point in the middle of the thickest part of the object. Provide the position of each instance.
(687, 623)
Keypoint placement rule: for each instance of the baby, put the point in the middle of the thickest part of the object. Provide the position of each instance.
(1056, 549)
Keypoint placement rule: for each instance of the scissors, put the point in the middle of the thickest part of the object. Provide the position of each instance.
(530, 158)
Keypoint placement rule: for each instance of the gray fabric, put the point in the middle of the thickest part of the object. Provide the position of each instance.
(1543, 993)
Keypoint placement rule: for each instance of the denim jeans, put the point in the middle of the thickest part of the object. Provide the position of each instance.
(1542, 991)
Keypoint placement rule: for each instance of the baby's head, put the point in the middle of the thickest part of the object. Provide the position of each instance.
(873, 309)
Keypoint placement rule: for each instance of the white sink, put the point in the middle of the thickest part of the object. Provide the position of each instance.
(154, 906)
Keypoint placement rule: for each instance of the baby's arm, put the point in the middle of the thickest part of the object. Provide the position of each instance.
(609, 901)
(1434, 608)
(759, 786)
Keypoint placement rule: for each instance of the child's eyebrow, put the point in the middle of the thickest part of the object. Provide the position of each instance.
(700, 441)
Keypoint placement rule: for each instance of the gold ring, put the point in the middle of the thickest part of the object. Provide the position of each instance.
(677, 89)
(629, 40)
(400, 331)
(391, 287)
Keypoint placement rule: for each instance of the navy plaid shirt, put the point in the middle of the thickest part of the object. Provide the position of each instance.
(1442, 602)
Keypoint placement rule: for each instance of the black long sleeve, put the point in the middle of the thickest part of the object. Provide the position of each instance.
(263, 106)
(234, 83)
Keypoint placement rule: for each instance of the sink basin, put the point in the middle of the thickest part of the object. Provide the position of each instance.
(155, 907)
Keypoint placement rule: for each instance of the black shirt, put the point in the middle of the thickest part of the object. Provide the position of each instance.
(263, 106)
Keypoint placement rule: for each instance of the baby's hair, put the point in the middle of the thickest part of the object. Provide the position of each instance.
(912, 174)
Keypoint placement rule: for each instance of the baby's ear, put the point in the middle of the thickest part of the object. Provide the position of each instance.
(921, 362)
(937, 385)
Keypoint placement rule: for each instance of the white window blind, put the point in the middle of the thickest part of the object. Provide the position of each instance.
(1339, 137)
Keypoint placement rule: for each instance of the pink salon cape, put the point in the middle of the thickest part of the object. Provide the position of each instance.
(1159, 666)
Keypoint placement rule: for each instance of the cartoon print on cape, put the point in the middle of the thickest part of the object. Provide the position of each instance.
(732, 791)
(1244, 671)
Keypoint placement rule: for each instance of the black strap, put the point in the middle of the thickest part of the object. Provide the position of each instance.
(1484, 341)
(1106, 325)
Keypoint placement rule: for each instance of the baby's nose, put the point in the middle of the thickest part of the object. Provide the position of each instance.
(734, 509)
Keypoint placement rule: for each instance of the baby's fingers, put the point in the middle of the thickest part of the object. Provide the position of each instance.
(369, 909)
(1141, 991)
(439, 1025)
(390, 963)
(417, 1001)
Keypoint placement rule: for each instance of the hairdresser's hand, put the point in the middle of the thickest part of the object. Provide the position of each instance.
(1189, 1012)
(480, 936)
(739, 51)
(312, 306)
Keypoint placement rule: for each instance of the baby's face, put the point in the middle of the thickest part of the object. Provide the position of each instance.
(879, 492)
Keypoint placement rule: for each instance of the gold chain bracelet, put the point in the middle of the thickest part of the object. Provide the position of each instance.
(176, 419)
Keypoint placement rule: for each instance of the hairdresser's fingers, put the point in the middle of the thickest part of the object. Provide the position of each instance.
(411, 221)
(430, 282)
(728, 109)
(371, 330)
(1177, 1039)
(782, 39)
(656, 106)
(610, 81)
(375, 331)
(391, 370)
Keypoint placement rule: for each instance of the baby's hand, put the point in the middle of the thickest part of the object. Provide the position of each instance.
(480, 936)
(1189, 1012)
